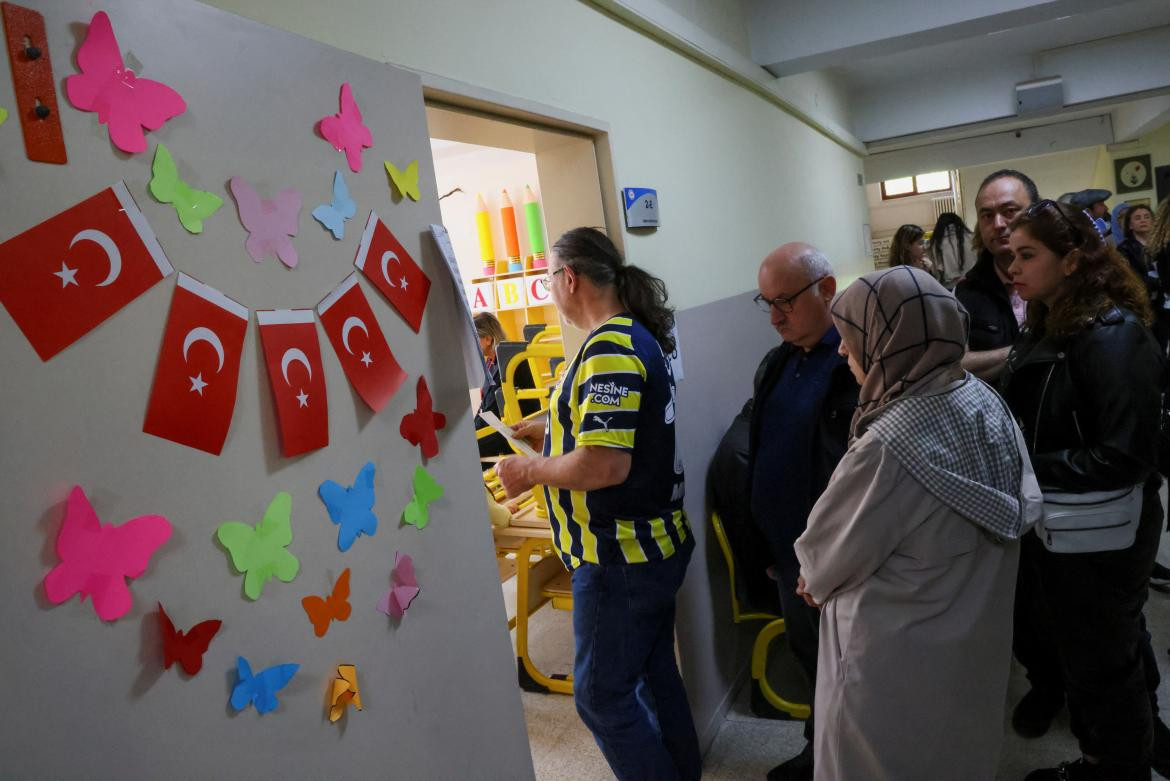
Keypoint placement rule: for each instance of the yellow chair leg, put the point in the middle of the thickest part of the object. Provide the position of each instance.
(759, 671)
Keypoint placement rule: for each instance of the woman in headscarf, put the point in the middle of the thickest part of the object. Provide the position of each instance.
(912, 549)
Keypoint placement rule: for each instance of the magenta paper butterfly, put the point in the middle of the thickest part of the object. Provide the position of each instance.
(122, 101)
(97, 559)
(270, 223)
(403, 587)
(345, 130)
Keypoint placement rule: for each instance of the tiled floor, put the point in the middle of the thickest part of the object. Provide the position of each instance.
(747, 747)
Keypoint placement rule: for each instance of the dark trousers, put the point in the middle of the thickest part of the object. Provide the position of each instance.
(1090, 606)
(626, 684)
(802, 630)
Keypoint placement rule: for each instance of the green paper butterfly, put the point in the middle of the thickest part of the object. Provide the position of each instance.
(3, 115)
(405, 179)
(260, 552)
(193, 206)
(426, 490)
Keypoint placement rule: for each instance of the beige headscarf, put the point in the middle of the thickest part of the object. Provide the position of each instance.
(907, 331)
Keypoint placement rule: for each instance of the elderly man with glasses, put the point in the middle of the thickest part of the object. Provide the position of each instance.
(804, 401)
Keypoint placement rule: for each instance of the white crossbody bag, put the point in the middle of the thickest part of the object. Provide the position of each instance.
(1090, 522)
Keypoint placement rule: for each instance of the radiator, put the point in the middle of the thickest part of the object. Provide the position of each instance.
(944, 203)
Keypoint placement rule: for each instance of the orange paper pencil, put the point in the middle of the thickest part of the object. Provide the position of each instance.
(508, 218)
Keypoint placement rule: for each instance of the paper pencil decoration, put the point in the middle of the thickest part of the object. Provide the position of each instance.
(511, 240)
(186, 648)
(351, 509)
(418, 427)
(535, 222)
(269, 223)
(193, 206)
(357, 339)
(391, 269)
(344, 691)
(483, 229)
(297, 376)
(260, 689)
(194, 393)
(61, 279)
(36, 89)
(403, 587)
(261, 552)
(426, 490)
(405, 180)
(123, 102)
(335, 214)
(333, 607)
(97, 559)
(346, 131)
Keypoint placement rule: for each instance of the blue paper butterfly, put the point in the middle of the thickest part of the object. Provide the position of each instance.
(351, 508)
(333, 215)
(260, 689)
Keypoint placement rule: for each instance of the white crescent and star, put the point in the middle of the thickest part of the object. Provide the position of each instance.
(298, 355)
(204, 334)
(350, 323)
(113, 256)
(386, 258)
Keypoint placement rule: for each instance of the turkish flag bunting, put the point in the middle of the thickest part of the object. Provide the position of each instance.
(60, 279)
(391, 269)
(194, 393)
(365, 356)
(293, 355)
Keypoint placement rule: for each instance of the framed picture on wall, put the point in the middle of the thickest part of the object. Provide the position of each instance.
(1133, 174)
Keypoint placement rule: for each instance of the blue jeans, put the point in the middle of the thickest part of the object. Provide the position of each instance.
(625, 681)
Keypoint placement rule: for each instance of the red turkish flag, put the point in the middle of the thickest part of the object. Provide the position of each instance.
(393, 271)
(194, 393)
(297, 376)
(365, 356)
(61, 279)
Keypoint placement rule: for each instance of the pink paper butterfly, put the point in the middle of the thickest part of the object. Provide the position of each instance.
(122, 100)
(97, 559)
(345, 130)
(270, 223)
(403, 587)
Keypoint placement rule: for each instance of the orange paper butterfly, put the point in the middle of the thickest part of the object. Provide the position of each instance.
(334, 607)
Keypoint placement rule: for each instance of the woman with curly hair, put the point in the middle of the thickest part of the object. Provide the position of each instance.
(1085, 381)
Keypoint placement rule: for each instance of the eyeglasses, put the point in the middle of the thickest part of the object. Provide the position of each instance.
(782, 304)
(1035, 208)
(547, 279)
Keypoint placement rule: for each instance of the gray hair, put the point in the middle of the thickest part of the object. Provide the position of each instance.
(815, 264)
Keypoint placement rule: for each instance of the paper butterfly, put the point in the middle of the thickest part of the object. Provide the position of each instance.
(270, 223)
(405, 181)
(3, 115)
(193, 206)
(403, 587)
(122, 101)
(344, 691)
(333, 215)
(186, 648)
(260, 689)
(333, 607)
(260, 552)
(97, 559)
(351, 508)
(426, 490)
(418, 427)
(345, 131)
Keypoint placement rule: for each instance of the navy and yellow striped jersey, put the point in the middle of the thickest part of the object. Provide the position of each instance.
(618, 392)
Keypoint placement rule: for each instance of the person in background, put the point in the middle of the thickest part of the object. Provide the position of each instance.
(912, 549)
(1137, 225)
(949, 249)
(1156, 258)
(804, 399)
(613, 482)
(1092, 201)
(909, 249)
(1085, 383)
(491, 333)
(1118, 219)
(996, 309)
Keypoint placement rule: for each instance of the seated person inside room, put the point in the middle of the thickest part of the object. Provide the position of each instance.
(491, 333)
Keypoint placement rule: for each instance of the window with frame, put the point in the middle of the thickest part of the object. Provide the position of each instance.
(934, 182)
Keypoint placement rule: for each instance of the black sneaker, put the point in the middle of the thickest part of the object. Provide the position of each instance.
(1160, 577)
(1067, 771)
(1034, 715)
(799, 768)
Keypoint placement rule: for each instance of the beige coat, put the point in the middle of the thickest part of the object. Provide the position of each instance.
(916, 627)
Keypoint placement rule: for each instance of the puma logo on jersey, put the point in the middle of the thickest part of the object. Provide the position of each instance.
(603, 421)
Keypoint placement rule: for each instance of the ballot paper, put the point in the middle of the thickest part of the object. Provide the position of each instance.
(493, 421)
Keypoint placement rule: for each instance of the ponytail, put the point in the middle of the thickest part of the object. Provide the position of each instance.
(589, 252)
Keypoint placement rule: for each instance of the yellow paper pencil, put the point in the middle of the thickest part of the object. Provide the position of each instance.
(483, 226)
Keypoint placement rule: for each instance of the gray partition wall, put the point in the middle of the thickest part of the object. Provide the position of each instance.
(89, 699)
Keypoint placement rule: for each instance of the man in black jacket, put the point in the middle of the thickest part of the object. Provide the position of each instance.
(804, 400)
(996, 310)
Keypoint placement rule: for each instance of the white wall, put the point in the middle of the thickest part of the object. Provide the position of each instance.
(1157, 146)
(885, 217)
(1054, 175)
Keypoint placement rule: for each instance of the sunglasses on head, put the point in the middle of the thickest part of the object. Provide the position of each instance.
(1035, 208)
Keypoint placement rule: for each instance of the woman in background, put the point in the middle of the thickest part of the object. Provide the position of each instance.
(909, 249)
(950, 249)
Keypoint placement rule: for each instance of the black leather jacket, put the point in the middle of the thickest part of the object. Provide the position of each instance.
(1089, 405)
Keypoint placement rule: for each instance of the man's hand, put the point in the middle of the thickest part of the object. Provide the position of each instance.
(800, 592)
(531, 431)
(514, 474)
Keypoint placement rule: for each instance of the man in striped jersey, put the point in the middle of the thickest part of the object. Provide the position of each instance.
(614, 485)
